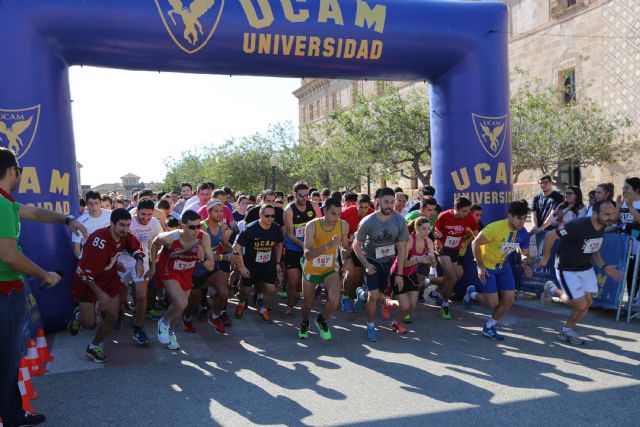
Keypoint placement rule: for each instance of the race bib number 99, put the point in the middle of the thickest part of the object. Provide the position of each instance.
(262, 257)
(323, 261)
(385, 251)
(452, 242)
(592, 245)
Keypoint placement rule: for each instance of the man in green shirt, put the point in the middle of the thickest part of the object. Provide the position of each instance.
(13, 267)
(427, 209)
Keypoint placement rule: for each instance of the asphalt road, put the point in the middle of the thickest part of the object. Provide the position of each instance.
(441, 372)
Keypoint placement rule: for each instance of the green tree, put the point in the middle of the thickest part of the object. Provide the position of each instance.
(546, 134)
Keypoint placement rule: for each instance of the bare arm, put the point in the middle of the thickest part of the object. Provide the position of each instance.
(549, 240)
(401, 248)
(208, 262)
(77, 249)
(31, 213)
(480, 240)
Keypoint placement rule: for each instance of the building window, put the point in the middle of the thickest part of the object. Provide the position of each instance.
(303, 116)
(311, 112)
(567, 80)
(568, 175)
(558, 7)
(334, 100)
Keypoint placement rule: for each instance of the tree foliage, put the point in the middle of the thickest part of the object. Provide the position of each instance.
(546, 134)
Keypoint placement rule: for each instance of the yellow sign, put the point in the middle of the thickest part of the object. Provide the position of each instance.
(190, 26)
(18, 128)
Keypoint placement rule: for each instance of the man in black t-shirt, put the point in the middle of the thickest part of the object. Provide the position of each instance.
(543, 205)
(580, 243)
(268, 198)
(260, 247)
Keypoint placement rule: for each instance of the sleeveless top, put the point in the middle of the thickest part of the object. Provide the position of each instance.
(179, 260)
(300, 220)
(412, 253)
(328, 259)
(200, 269)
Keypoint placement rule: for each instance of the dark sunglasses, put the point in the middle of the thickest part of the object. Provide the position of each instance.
(269, 216)
(302, 195)
(193, 227)
(18, 168)
(569, 193)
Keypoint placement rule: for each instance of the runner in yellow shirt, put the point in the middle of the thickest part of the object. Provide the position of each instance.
(491, 249)
(323, 238)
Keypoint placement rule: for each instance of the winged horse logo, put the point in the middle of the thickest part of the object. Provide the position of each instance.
(491, 132)
(196, 20)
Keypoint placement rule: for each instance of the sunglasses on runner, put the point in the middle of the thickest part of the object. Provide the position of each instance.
(269, 216)
(302, 195)
(193, 227)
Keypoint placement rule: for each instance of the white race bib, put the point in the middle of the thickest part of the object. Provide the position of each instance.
(323, 261)
(183, 265)
(262, 257)
(452, 242)
(509, 247)
(592, 245)
(299, 230)
(385, 251)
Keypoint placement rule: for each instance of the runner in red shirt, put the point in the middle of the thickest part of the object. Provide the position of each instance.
(96, 278)
(351, 265)
(453, 225)
(181, 249)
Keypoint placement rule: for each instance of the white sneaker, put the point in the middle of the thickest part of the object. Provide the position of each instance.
(163, 332)
(173, 342)
(546, 297)
(570, 336)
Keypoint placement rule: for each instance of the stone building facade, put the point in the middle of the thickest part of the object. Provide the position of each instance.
(590, 45)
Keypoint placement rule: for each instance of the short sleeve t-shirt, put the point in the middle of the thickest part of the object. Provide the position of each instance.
(254, 214)
(543, 205)
(579, 240)
(226, 219)
(9, 229)
(503, 241)
(453, 228)
(379, 237)
(258, 245)
(145, 235)
(415, 214)
(92, 224)
(353, 219)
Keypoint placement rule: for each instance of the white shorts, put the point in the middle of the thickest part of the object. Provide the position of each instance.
(130, 276)
(576, 283)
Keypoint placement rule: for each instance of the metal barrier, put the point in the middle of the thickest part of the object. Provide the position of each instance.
(633, 308)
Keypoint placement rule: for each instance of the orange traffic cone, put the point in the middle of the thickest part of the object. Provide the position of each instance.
(26, 378)
(23, 392)
(33, 361)
(43, 350)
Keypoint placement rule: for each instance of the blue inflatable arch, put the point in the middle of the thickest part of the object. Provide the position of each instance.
(459, 47)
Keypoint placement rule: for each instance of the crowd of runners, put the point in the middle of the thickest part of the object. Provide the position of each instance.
(215, 255)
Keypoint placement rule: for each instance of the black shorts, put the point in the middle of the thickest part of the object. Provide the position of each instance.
(225, 266)
(451, 253)
(423, 269)
(292, 259)
(411, 284)
(258, 278)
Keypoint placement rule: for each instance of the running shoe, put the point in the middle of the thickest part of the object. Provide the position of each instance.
(173, 342)
(303, 334)
(188, 325)
(492, 333)
(74, 324)
(399, 327)
(283, 294)
(203, 313)
(264, 315)
(436, 298)
(96, 354)
(360, 299)
(153, 314)
(546, 297)
(407, 319)
(347, 305)
(468, 301)
(445, 313)
(31, 419)
(217, 324)
(140, 337)
(323, 328)
(163, 332)
(386, 308)
(288, 312)
(226, 320)
(570, 336)
(239, 310)
(371, 334)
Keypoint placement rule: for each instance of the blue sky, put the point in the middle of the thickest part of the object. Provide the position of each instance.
(132, 121)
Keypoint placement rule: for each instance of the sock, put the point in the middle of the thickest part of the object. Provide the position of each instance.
(370, 324)
(491, 322)
(93, 347)
(262, 310)
(214, 316)
(321, 318)
(473, 295)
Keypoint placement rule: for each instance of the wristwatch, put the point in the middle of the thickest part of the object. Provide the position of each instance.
(68, 219)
